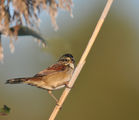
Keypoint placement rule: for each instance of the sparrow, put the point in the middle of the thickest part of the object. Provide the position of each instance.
(52, 78)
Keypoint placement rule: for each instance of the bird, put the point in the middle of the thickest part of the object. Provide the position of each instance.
(52, 78)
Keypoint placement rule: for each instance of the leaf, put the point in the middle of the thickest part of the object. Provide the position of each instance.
(5, 110)
(26, 31)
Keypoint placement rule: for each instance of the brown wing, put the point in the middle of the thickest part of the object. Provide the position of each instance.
(51, 69)
(50, 78)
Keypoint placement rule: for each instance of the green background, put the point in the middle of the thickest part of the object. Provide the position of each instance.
(107, 87)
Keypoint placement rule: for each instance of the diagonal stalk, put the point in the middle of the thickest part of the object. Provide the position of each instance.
(82, 60)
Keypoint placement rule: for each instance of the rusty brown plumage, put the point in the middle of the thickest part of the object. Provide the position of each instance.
(51, 78)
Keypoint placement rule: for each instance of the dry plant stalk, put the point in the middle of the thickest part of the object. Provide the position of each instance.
(82, 60)
(17, 13)
(26, 12)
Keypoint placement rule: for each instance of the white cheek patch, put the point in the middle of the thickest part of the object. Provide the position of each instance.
(71, 65)
(68, 58)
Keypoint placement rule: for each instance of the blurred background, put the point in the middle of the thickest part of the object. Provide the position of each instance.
(108, 86)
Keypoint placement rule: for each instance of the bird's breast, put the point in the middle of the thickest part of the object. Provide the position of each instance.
(58, 79)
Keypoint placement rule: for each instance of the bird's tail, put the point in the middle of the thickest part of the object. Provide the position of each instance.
(17, 80)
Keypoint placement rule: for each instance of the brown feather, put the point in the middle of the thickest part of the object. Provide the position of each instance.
(51, 69)
(53, 77)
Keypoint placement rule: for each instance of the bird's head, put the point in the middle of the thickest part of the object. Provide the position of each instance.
(67, 59)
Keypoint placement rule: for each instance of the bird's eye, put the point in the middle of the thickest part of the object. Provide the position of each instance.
(65, 60)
